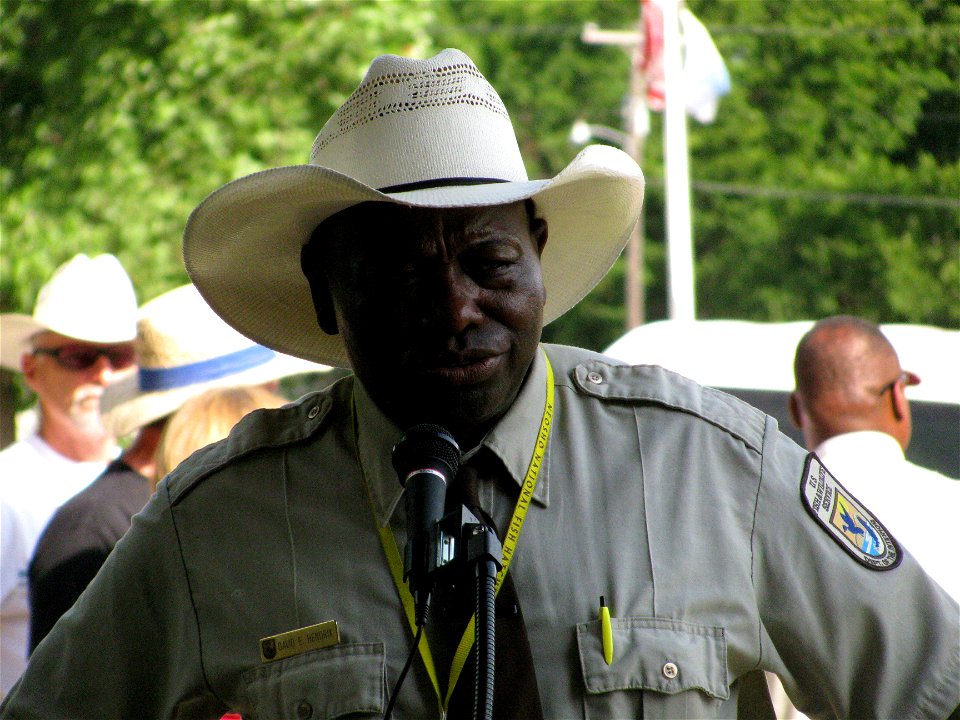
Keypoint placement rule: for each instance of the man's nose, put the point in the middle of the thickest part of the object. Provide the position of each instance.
(102, 371)
(457, 301)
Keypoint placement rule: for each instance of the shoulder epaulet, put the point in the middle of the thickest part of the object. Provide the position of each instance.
(654, 384)
(264, 428)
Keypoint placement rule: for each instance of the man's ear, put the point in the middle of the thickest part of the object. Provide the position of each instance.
(538, 231)
(901, 406)
(311, 267)
(28, 364)
(796, 415)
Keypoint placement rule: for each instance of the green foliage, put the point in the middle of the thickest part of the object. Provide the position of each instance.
(843, 127)
(119, 117)
(830, 181)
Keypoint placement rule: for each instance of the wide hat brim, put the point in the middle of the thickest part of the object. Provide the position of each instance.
(15, 333)
(126, 408)
(242, 244)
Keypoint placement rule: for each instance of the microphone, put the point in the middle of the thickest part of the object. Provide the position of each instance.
(426, 459)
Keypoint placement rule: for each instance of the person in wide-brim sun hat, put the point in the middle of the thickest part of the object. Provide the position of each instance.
(183, 350)
(422, 133)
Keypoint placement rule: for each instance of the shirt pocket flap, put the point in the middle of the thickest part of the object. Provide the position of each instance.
(346, 679)
(666, 656)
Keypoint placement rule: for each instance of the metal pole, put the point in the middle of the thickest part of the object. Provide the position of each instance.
(680, 301)
(638, 125)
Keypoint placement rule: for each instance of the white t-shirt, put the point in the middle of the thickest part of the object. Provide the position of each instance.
(919, 506)
(35, 480)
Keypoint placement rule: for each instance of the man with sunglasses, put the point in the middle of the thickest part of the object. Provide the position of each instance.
(79, 338)
(850, 402)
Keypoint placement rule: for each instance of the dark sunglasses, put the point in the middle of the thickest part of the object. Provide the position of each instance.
(82, 357)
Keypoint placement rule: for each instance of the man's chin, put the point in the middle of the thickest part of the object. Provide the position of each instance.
(89, 422)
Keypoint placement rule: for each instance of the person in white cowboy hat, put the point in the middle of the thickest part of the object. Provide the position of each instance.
(183, 350)
(657, 550)
(78, 339)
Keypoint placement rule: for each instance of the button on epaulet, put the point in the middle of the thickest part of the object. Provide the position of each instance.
(313, 412)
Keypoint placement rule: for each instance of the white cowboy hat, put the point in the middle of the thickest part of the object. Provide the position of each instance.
(88, 299)
(425, 133)
(183, 350)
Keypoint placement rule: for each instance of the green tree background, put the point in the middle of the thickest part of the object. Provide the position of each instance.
(830, 181)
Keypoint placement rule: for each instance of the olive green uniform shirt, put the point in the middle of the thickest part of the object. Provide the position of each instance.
(679, 504)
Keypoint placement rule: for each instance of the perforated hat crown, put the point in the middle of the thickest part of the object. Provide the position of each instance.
(440, 118)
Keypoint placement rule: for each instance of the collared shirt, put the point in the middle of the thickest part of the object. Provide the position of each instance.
(679, 504)
(916, 504)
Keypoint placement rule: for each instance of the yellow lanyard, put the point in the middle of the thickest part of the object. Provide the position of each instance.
(509, 546)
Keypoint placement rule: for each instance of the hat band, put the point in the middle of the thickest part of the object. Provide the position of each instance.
(154, 379)
(440, 182)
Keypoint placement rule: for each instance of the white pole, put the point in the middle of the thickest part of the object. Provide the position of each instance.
(680, 299)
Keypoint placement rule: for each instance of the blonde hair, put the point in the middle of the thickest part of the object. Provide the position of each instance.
(207, 418)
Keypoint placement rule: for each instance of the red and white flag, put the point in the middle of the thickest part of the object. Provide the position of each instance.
(705, 75)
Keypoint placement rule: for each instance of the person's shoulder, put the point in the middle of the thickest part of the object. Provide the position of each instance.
(933, 483)
(262, 430)
(93, 519)
(594, 375)
(20, 464)
(19, 451)
(112, 485)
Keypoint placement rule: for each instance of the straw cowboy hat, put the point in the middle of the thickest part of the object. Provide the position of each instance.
(183, 350)
(424, 133)
(88, 299)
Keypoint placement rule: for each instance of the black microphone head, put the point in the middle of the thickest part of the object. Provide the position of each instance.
(423, 446)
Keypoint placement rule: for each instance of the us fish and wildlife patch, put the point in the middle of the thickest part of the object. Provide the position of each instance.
(850, 524)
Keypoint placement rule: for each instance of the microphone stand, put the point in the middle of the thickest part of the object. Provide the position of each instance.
(478, 549)
(484, 552)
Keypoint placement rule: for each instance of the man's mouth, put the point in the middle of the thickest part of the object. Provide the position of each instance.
(464, 368)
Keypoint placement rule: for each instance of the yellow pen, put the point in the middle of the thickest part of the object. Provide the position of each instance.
(606, 631)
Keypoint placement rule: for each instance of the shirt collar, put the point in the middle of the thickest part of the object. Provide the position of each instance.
(873, 445)
(512, 439)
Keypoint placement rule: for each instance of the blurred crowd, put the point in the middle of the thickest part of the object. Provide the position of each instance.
(123, 395)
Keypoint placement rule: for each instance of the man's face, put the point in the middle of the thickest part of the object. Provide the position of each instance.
(72, 394)
(440, 310)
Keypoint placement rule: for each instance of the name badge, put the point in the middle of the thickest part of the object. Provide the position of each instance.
(295, 642)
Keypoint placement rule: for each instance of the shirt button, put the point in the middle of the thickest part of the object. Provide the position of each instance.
(595, 377)
(313, 412)
(670, 670)
(304, 710)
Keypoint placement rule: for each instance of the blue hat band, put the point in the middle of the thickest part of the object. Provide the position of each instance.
(154, 379)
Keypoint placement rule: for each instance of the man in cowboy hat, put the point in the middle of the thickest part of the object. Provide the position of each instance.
(183, 349)
(652, 529)
(79, 336)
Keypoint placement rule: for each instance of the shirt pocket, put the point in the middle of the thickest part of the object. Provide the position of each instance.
(661, 669)
(346, 679)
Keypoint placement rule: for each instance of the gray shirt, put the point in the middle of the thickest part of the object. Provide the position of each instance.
(679, 504)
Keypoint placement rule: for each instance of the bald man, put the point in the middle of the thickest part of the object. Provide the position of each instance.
(851, 406)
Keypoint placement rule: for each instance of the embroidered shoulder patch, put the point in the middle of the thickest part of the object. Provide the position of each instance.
(848, 522)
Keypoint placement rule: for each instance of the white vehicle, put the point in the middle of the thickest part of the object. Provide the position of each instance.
(754, 361)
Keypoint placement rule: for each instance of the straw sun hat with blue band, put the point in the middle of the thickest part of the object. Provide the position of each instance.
(424, 133)
(184, 349)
